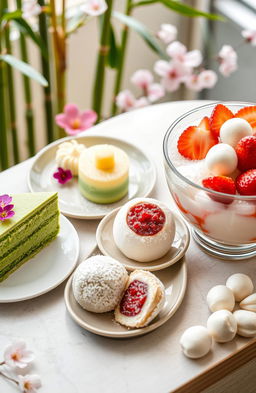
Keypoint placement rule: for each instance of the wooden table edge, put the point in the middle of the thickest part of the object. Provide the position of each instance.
(219, 370)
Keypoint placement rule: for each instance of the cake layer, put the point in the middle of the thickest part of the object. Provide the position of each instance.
(29, 246)
(25, 228)
(106, 195)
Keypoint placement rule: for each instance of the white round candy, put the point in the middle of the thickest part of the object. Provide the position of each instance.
(233, 130)
(241, 285)
(246, 323)
(220, 298)
(221, 159)
(222, 326)
(196, 342)
(249, 303)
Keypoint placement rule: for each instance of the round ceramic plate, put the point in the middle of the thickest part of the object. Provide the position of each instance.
(142, 176)
(105, 240)
(49, 268)
(174, 279)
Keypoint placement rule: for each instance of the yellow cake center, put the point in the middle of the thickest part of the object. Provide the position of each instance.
(104, 158)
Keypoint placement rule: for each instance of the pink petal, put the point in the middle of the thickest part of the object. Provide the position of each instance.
(61, 120)
(72, 131)
(142, 78)
(162, 67)
(171, 84)
(155, 92)
(193, 58)
(71, 111)
(176, 50)
(88, 118)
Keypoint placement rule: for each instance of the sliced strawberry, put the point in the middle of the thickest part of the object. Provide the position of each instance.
(246, 183)
(195, 142)
(246, 153)
(219, 115)
(249, 114)
(220, 184)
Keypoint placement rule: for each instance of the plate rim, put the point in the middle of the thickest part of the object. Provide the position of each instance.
(44, 291)
(57, 142)
(155, 268)
(132, 332)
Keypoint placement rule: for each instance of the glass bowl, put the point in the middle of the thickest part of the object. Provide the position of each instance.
(223, 225)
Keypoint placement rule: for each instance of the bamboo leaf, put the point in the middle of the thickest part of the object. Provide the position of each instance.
(11, 15)
(142, 30)
(24, 68)
(114, 51)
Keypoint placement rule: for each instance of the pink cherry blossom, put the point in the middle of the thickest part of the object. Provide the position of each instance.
(125, 100)
(167, 33)
(73, 121)
(142, 79)
(193, 82)
(94, 7)
(17, 355)
(250, 36)
(207, 79)
(173, 73)
(30, 8)
(29, 383)
(178, 52)
(155, 91)
(227, 58)
(141, 102)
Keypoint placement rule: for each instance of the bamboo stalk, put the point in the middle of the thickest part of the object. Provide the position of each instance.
(3, 130)
(98, 89)
(11, 98)
(46, 71)
(120, 70)
(29, 113)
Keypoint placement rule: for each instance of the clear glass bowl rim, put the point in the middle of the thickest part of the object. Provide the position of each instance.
(178, 174)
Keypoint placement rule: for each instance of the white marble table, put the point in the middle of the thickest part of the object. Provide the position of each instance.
(72, 360)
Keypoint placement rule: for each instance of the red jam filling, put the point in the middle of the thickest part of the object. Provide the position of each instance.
(145, 219)
(134, 298)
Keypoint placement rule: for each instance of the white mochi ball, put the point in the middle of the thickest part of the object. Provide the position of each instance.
(196, 342)
(246, 323)
(241, 285)
(233, 130)
(221, 159)
(220, 298)
(222, 326)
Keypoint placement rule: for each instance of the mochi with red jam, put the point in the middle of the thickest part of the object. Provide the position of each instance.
(144, 229)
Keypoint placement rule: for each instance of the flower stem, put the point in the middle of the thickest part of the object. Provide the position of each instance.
(11, 99)
(119, 74)
(98, 89)
(9, 378)
(29, 113)
(3, 129)
(45, 64)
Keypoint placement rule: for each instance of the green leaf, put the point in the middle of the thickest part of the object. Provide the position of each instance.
(24, 68)
(142, 30)
(11, 15)
(114, 51)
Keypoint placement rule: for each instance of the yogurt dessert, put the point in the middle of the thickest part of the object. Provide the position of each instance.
(219, 154)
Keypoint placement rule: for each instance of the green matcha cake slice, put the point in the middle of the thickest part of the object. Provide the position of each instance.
(34, 225)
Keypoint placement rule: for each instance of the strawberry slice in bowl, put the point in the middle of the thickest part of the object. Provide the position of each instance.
(219, 116)
(195, 142)
(249, 114)
(222, 184)
(246, 183)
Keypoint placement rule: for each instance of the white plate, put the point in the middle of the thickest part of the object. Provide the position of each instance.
(174, 279)
(49, 268)
(107, 246)
(142, 177)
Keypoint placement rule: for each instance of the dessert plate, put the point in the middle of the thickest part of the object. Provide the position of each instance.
(174, 279)
(142, 177)
(49, 268)
(105, 241)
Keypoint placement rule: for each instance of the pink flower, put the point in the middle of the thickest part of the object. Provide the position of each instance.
(16, 355)
(141, 102)
(250, 36)
(6, 212)
(73, 121)
(62, 175)
(207, 79)
(125, 100)
(5, 200)
(29, 383)
(94, 7)
(142, 79)
(172, 73)
(227, 58)
(192, 82)
(155, 91)
(178, 52)
(30, 8)
(167, 33)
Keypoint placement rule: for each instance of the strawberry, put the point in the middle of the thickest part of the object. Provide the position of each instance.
(249, 114)
(246, 153)
(219, 115)
(246, 183)
(220, 184)
(195, 142)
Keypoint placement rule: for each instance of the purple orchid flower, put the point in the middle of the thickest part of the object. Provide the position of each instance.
(6, 212)
(5, 200)
(62, 175)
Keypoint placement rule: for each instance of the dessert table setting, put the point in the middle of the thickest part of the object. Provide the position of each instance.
(144, 267)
